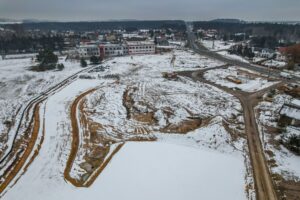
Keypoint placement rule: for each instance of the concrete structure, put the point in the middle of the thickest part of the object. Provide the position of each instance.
(111, 50)
(86, 51)
(141, 47)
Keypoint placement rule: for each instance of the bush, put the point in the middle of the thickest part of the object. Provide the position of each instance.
(43, 67)
(94, 60)
(47, 57)
(60, 67)
(83, 62)
(291, 65)
(293, 143)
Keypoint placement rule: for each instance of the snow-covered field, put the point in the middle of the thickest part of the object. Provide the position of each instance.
(233, 56)
(151, 171)
(18, 85)
(248, 84)
(274, 63)
(191, 166)
(222, 48)
(217, 44)
(287, 163)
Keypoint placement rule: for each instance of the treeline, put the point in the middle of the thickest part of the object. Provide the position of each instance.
(16, 44)
(92, 26)
(286, 32)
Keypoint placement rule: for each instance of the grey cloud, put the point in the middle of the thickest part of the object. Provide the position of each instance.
(74, 10)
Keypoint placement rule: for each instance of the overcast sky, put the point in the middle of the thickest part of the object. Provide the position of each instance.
(76, 10)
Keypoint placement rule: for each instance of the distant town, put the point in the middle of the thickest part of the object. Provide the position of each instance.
(264, 44)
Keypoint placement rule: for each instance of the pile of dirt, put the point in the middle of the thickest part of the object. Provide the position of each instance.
(185, 126)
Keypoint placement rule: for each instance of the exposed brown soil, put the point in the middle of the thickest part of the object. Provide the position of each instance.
(21, 159)
(185, 126)
(36, 152)
(290, 190)
(98, 144)
(144, 117)
(75, 140)
(234, 134)
(92, 178)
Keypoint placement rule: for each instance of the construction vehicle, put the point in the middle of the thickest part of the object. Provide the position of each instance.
(234, 79)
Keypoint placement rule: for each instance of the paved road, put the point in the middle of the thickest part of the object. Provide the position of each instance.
(265, 189)
(198, 48)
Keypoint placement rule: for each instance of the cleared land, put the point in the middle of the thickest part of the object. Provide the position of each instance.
(132, 102)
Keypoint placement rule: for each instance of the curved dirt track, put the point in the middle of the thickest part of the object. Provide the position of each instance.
(21, 162)
(75, 139)
(75, 146)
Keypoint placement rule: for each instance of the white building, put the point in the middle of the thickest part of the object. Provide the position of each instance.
(111, 50)
(267, 53)
(140, 47)
(87, 51)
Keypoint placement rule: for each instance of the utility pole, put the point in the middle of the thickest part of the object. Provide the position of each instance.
(173, 61)
(3, 55)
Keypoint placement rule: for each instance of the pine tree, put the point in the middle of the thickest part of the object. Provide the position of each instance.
(83, 62)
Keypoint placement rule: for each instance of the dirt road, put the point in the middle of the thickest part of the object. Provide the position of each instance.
(265, 188)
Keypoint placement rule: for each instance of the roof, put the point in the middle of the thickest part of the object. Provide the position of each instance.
(88, 46)
(291, 112)
(133, 43)
(296, 102)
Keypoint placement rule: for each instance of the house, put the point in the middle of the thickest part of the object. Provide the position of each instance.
(267, 53)
(256, 51)
(290, 114)
(281, 54)
(140, 47)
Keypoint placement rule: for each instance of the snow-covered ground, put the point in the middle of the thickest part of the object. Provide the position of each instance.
(233, 56)
(193, 165)
(248, 84)
(18, 85)
(287, 163)
(150, 171)
(274, 63)
(222, 48)
(217, 44)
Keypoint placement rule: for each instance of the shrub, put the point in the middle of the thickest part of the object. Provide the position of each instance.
(60, 67)
(83, 62)
(43, 67)
(293, 143)
(94, 60)
(47, 57)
